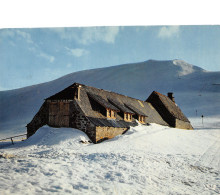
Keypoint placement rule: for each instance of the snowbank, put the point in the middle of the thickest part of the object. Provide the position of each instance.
(146, 160)
(55, 136)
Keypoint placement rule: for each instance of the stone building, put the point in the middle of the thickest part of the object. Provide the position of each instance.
(168, 110)
(103, 114)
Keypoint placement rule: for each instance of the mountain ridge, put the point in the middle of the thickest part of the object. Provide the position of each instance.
(136, 63)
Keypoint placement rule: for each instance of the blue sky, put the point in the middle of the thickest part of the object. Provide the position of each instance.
(36, 55)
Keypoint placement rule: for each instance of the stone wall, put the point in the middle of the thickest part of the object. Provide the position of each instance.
(79, 121)
(103, 133)
(39, 120)
(183, 125)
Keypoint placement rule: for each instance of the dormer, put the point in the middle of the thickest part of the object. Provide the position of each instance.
(125, 112)
(103, 106)
(128, 116)
(140, 116)
(110, 113)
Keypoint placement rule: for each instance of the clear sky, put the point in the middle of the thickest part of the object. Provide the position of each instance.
(36, 55)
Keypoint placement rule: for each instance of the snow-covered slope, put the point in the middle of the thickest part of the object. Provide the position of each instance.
(192, 86)
(146, 160)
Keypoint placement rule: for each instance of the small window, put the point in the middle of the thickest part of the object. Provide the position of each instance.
(110, 113)
(113, 114)
(142, 119)
(127, 117)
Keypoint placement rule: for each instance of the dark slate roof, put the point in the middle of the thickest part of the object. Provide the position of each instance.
(100, 122)
(103, 102)
(120, 106)
(66, 94)
(110, 100)
(172, 108)
(153, 115)
(135, 110)
(143, 108)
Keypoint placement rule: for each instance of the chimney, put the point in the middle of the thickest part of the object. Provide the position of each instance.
(77, 92)
(170, 95)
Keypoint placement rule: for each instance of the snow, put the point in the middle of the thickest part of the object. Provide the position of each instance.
(185, 67)
(150, 159)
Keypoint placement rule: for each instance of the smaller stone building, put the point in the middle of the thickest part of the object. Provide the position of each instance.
(103, 114)
(169, 111)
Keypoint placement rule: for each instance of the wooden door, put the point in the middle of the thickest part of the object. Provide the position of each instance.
(59, 114)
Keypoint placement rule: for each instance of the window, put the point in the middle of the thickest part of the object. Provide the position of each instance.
(127, 117)
(108, 113)
(111, 114)
(141, 119)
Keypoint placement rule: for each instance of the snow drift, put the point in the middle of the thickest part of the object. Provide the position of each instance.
(146, 160)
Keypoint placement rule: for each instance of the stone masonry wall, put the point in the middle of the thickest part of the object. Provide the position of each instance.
(183, 125)
(79, 121)
(39, 120)
(103, 133)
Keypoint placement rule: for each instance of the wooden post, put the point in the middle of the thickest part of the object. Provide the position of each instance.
(79, 92)
(202, 120)
(12, 141)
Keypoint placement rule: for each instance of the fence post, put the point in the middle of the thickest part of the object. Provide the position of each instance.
(12, 141)
(202, 120)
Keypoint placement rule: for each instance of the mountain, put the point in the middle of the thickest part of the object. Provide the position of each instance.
(195, 90)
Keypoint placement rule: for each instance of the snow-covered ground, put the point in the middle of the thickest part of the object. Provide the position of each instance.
(146, 160)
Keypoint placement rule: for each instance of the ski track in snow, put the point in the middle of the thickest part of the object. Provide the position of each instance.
(209, 156)
(146, 160)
